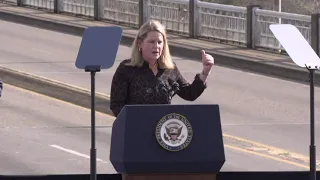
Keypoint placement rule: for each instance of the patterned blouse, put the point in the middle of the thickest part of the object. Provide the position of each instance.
(139, 85)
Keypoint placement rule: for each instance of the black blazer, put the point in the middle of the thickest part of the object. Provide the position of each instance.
(138, 85)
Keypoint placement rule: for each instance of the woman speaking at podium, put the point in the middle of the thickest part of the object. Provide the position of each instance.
(150, 76)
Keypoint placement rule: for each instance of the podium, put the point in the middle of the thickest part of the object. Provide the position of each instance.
(153, 142)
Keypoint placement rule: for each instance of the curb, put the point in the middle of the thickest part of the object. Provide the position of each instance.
(61, 91)
(82, 97)
(230, 61)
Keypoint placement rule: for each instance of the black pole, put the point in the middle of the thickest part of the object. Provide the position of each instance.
(93, 151)
(96, 9)
(56, 6)
(312, 129)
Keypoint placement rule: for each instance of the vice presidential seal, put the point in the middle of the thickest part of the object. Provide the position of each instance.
(174, 132)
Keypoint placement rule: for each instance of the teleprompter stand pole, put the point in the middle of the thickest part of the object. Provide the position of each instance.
(93, 151)
(313, 167)
(284, 33)
(97, 51)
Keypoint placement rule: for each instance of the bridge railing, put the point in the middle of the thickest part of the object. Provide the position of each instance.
(264, 18)
(194, 18)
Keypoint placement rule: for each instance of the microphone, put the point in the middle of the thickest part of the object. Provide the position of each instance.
(174, 87)
(169, 92)
(162, 86)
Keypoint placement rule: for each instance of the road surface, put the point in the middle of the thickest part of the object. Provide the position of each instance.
(262, 109)
(42, 135)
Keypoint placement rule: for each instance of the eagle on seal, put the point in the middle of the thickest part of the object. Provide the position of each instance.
(173, 131)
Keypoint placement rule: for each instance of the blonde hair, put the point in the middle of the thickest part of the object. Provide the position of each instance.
(165, 60)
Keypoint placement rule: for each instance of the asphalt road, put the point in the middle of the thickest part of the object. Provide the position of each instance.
(37, 135)
(41, 135)
(263, 109)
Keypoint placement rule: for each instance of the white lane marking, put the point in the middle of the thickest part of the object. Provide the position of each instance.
(41, 50)
(75, 152)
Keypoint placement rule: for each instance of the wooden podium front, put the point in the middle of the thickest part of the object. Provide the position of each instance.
(209, 176)
(167, 142)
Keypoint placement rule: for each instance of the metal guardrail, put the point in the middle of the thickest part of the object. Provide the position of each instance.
(194, 18)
